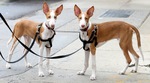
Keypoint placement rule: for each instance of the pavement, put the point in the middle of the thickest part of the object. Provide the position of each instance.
(109, 57)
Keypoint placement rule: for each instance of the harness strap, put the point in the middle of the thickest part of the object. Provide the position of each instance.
(46, 40)
(93, 38)
(84, 43)
(95, 35)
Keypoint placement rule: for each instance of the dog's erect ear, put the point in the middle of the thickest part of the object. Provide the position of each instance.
(77, 10)
(90, 11)
(59, 10)
(46, 9)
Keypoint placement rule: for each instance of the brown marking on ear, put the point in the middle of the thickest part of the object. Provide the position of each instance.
(59, 10)
(46, 9)
(90, 11)
(77, 10)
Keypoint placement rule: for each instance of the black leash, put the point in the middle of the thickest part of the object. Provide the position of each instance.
(132, 65)
(29, 48)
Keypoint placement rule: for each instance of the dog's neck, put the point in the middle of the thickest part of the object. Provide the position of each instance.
(47, 33)
(48, 27)
(84, 34)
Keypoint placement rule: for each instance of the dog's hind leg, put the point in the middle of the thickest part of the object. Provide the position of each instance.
(9, 41)
(136, 57)
(126, 54)
(14, 45)
(27, 43)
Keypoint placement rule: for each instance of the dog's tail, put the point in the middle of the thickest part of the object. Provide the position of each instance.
(138, 40)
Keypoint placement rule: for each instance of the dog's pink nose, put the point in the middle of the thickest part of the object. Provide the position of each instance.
(52, 25)
(82, 25)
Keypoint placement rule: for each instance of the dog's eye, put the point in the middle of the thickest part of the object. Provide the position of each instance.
(49, 17)
(86, 18)
(80, 17)
(55, 17)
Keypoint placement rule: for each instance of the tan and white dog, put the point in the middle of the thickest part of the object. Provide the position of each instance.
(105, 32)
(27, 29)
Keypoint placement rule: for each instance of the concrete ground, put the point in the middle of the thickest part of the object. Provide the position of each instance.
(109, 59)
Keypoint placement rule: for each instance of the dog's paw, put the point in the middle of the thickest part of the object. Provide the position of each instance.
(80, 73)
(51, 72)
(93, 77)
(8, 66)
(133, 71)
(41, 74)
(121, 73)
(28, 65)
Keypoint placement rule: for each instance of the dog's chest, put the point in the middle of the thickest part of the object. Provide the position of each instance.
(47, 35)
(84, 36)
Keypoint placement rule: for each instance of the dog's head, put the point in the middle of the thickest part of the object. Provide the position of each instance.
(51, 15)
(83, 17)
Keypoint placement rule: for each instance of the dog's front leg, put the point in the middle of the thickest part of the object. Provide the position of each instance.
(50, 71)
(41, 74)
(93, 76)
(27, 43)
(86, 63)
(93, 52)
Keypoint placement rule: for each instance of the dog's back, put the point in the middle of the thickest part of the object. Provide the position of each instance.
(25, 28)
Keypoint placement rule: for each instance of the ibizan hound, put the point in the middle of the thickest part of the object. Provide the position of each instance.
(105, 32)
(28, 29)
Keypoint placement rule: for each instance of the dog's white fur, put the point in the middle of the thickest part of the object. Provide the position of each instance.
(28, 29)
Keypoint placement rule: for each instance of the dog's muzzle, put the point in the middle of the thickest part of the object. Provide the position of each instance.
(50, 28)
(85, 29)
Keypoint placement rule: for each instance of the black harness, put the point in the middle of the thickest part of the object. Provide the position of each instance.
(46, 40)
(93, 38)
